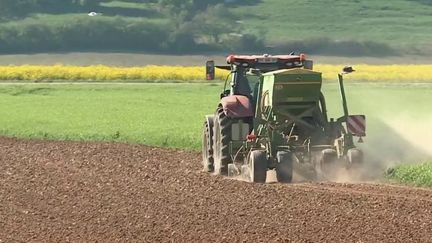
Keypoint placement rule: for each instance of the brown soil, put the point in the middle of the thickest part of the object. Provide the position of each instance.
(69, 191)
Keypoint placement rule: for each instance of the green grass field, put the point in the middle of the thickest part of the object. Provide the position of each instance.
(167, 114)
(396, 22)
(172, 114)
(417, 175)
(163, 115)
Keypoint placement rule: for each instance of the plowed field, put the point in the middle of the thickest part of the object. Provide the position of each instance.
(70, 191)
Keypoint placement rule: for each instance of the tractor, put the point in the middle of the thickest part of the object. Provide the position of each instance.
(273, 116)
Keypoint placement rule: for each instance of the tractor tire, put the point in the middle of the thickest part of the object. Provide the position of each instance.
(284, 168)
(221, 141)
(354, 158)
(328, 161)
(257, 162)
(207, 147)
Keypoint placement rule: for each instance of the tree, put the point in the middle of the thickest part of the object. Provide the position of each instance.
(15, 8)
(204, 4)
(10, 9)
(214, 22)
(88, 3)
(179, 11)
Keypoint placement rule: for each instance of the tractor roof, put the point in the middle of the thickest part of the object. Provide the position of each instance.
(265, 63)
(233, 59)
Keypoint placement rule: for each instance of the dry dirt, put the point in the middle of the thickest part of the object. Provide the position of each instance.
(69, 191)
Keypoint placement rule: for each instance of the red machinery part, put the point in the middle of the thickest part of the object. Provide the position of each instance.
(231, 59)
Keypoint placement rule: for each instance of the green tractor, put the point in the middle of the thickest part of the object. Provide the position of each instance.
(273, 116)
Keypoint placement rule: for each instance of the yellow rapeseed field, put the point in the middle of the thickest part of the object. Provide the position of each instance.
(364, 73)
(377, 73)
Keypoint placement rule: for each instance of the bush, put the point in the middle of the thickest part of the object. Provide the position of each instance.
(414, 174)
(245, 43)
(15, 8)
(328, 46)
(83, 34)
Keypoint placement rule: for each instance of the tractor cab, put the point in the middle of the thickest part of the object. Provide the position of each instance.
(246, 71)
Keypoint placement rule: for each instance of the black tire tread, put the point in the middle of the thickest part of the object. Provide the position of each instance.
(259, 162)
(284, 168)
(208, 160)
(224, 123)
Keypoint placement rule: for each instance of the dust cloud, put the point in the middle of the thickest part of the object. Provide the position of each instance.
(418, 132)
(392, 141)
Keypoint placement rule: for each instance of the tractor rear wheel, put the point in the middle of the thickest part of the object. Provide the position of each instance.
(284, 168)
(221, 141)
(257, 162)
(207, 147)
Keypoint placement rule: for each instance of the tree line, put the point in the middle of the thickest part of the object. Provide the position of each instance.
(192, 26)
(10, 9)
(13, 9)
(189, 26)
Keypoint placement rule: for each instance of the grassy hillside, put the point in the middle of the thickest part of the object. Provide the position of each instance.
(400, 23)
(353, 27)
(403, 23)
